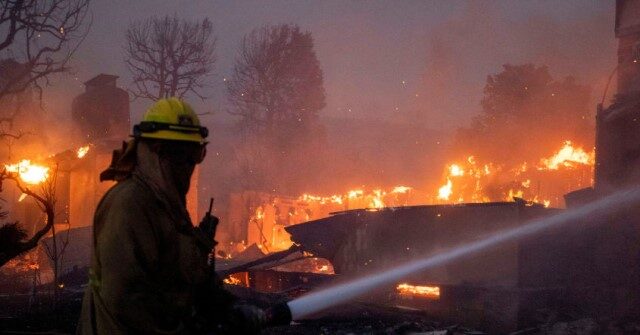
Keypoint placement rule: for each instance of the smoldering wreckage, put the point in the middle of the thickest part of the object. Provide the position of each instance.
(578, 277)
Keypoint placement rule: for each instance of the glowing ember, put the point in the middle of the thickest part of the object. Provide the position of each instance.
(471, 160)
(259, 213)
(514, 194)
(29, 173)
(82, 151)
(336, 199)
(429, 292)
(355, 193)
(456, 171)
(22, 196)
(232, 281)
(376, 201)
(568, 157)
(376, 198)
(445, 191)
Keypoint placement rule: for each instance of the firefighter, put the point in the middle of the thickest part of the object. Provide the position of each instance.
(149, 272)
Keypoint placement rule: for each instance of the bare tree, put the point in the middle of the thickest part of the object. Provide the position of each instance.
(40, 36)
(169, 57)
(277, 84)
(37, 40)
(277, 91)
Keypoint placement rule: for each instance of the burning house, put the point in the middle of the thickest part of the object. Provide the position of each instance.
(425, 224)
(261, 218)
(591, 267)
(101, 116)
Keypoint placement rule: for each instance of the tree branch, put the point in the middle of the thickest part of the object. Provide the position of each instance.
(46, 203)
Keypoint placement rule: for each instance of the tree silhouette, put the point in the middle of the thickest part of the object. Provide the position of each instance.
(277, 84)
(37, 39)
(526, 99)
(169, 57)
(41, 35)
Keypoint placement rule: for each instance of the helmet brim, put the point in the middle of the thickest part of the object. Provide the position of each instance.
(174, 136)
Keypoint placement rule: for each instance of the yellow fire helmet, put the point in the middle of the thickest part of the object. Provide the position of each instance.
(171, 119)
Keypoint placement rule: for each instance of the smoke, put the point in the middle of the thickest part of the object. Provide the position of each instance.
(399, 86)
(482, 36)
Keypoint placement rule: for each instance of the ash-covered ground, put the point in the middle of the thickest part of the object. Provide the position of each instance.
(356, 319)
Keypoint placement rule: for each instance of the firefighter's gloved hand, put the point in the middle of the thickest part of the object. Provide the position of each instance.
(208, 225)
(278, 315)
(249, 319)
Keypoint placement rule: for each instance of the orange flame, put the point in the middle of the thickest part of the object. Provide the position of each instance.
(29, 173)
(371, 199)
(445, 191)
(232, 281)
(456, 171)
(429, 292)
(376, 200)
(514, 194)
(401, 189)
(355, 193)
(471, 180)
(82, 151)
(568, 157)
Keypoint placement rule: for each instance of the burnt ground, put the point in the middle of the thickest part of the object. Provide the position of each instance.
(360, 319)
(17, 318)
(370, 319)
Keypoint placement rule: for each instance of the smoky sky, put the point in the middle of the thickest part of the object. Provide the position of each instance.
(400, 60)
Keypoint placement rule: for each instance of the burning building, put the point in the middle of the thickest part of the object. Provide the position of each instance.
(101, 115)
(262, 218)
(591, 267)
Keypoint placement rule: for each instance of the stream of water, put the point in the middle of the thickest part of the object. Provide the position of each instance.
(320, 300)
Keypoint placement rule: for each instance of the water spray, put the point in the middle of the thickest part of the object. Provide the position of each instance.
(315, 302)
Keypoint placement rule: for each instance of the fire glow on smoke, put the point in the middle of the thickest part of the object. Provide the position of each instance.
(28, 172)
